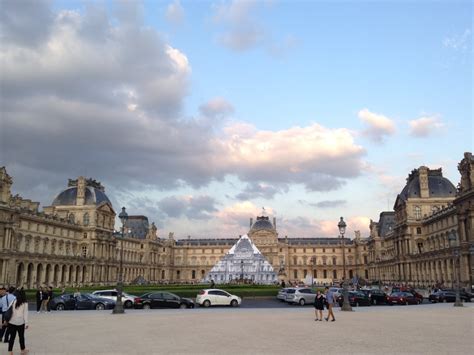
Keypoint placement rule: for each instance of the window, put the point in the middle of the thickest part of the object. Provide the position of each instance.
(71, 217)
(365, 259)
(281, 250)
(85, 235)
(325, 274)
(417, 212)
(305, 272)
(334, 274)
(333, 250)
(178, 274)
(324, 250)
(84, 251)
(193, 274)
(295, 274)
(334, 261)
(418, 230)
(85, 219)
(162, 274)
(350, 274)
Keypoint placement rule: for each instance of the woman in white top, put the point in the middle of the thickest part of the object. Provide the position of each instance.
(19, 321)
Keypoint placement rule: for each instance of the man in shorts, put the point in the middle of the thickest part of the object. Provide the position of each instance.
(330, 299)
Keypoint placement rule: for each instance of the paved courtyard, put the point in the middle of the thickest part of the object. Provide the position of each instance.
(424, 329)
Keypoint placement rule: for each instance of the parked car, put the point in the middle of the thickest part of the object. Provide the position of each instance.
(402, 298)
(442, 296)
(301, 296)
(162, 300)
(376, 296)
(83, 301)
(356, 298)
(127, 299)
(216, 297)
(419, 297)
(282, 294)
(465, 296)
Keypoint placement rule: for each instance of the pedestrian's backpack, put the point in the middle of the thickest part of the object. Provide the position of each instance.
(9, 313)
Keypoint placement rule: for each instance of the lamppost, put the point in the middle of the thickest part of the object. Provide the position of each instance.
(453, 242)
(378, 271)
(345, 305)
(118, 309)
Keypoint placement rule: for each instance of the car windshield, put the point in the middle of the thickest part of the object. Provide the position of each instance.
(396, 294)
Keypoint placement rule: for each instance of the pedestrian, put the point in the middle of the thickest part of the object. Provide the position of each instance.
(18, 322)
(3, 292)
(50, 298)
(283, 283)
(6, 302)
(44, 301)
(319, 306)
(330, 300)
(39, 298)
(212, 283)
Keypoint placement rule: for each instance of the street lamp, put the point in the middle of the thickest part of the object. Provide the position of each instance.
(345, 305)
(378, 271)
(118, 309)
(453, 242)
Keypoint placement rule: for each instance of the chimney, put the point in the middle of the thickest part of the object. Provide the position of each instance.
(251, 222)
(274, 223)
(423, 172)
(81, 191)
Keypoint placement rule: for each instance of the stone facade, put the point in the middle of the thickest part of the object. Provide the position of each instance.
(72, 242)
(416, 249)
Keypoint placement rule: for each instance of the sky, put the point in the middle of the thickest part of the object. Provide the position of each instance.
(199, 113)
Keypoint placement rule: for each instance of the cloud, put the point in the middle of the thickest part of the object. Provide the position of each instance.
(317, 157)
(175, 13)
(257, 190)
(379, 126)
(425, 126)
(217, 107)
(460, 42)
(199, 207)
(241, 30)
(329, 203)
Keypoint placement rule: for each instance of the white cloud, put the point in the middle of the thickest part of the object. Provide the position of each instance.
(425, 126)
(217, 107)
(379, 126)
(175, 12)
(459, 42)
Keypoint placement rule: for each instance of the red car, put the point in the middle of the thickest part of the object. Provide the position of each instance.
(402, 298)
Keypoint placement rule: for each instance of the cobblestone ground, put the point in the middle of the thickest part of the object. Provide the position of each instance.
(423, 329)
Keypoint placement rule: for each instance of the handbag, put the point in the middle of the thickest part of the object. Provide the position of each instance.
(9, 313)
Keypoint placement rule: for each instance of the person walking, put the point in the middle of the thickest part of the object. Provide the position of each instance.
(18, 322)
(319, 306)
(44, 301)
(39, 298)
(7, 302)
(330, 300)
(3, 309)
(50, 298)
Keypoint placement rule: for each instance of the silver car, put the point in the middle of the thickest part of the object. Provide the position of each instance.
(127, 299)
(282, 294)
(301, 296)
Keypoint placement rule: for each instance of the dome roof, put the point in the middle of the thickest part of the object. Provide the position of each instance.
(438, 185)
(262, 223)
(93, 196)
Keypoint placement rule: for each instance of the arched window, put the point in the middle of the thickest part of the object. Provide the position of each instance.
(85, 219)
(334, 260)
(84, 251)
(71, 217)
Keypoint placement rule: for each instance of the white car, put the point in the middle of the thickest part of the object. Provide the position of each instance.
(127, 299)
(216, 297)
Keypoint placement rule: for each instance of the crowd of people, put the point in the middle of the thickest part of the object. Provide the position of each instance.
(14, 309)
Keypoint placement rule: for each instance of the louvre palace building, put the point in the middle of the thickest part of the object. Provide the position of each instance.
(72, 242)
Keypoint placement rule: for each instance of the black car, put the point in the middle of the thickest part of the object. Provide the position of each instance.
(465, 296)
(356, 298)
(448, 296)
(376, 296)
(162, 300)
(80, 302)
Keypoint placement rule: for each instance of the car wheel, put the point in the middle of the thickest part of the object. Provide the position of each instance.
(128, 304)
(302, 302)
(234, 303)
(60, 307)
(146, 306)
(182, 306)
(99, 307)
(206, 303)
